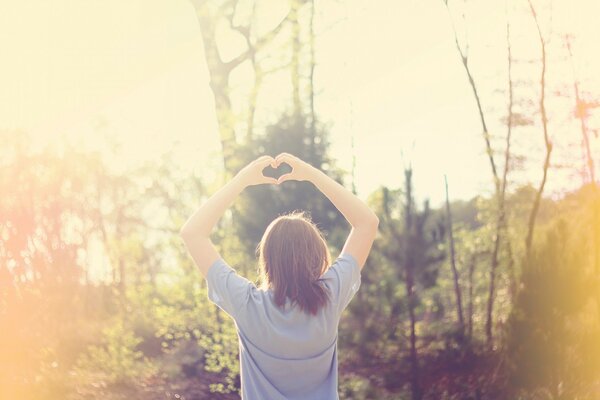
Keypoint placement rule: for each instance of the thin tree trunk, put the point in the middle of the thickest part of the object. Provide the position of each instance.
(353, 170)
(219, 83)
(471, 283)
(120, 261)
(486, 136)
(219, 71)
(311, 83)
(511, 267)
(295, 70)
(548, 144)
(258, 79)
(459, 309)
(501, 217)
(581, 114)
(489, 322)
(104, 234)
(414, 358)
(410, 288)
(502, 221)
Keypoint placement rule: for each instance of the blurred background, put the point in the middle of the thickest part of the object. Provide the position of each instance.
(470, 127)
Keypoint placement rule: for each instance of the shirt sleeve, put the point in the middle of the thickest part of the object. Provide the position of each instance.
(343, 279)
(226, 288)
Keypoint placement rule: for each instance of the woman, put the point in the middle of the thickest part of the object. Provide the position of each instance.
(288, 329)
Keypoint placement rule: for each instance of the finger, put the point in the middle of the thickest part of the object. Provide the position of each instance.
(284, 155)
(264, 158)
(284, 158)
(271, 181)
(279, 156)
(264, 161)
(284, 177)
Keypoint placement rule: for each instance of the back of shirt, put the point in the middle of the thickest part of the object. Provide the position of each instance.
(285, 353)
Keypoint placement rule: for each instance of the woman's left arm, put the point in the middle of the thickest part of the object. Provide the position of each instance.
(196, 231)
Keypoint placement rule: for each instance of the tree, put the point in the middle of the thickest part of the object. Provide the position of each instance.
(546, 340)
(457, 291)
(291, 134)
(547, 141)
(414, 251)
(499, 184)
(209, 15)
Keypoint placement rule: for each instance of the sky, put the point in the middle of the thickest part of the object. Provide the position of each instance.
(388, 76)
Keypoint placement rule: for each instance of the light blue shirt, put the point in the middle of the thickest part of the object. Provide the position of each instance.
(285, 353)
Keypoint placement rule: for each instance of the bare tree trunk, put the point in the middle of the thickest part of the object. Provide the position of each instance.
(119, 258)
(459, 309)
(511, 268)
(311, 83)
(464, 57)
(471, 283)
(219, 70)
(353, 171)
(415, 385)
(501, 224)
(486, 136)
(219, 83)
(502, 221)
(409, 280)
(548, 143)
(295, 70)
(258, 79)
(489, 322)
(581, 112)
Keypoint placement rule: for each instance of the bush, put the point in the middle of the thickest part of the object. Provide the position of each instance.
(116, 360)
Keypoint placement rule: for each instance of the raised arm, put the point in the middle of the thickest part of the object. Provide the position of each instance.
(363, 220)
(196, 231)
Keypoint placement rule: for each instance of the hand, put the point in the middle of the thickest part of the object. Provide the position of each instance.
(301, 171)
(252, 174)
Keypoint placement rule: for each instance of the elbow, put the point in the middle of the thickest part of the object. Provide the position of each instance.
(185, 233)
(373, 222)
(376, 222)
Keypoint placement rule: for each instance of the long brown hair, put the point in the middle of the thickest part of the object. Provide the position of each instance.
(292, 256)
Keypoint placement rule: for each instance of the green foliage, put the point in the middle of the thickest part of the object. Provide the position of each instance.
(401, 270)
(116, 359)
(100, 298)
(185, 331)
(291, 134)
(546, 328)
(222, 356)
(354, 387)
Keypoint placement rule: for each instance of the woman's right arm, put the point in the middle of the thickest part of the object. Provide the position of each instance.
(363, 220)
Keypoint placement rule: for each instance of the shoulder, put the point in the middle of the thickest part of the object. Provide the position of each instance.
(343, 273)
(343, 280)
(220, 269)
(344, 264)
(227, 288)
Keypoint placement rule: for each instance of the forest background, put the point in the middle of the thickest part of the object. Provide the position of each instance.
(471, 128)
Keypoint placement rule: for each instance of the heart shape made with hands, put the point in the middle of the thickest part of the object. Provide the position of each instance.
(282, 169)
